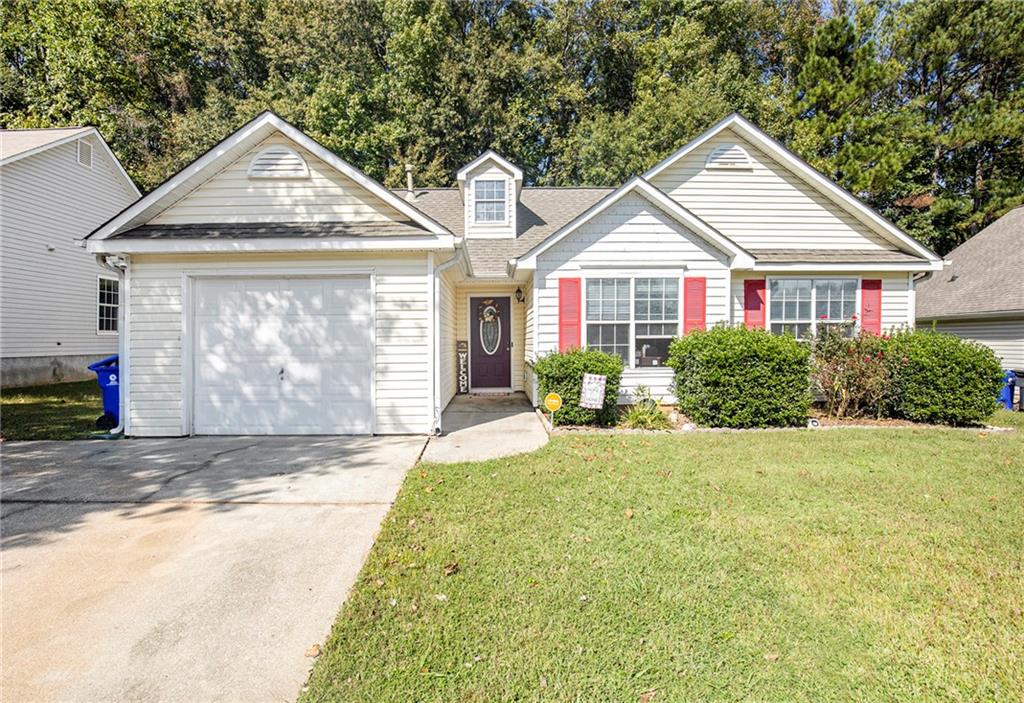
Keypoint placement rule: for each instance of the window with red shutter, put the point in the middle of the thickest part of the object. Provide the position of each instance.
(694, 303)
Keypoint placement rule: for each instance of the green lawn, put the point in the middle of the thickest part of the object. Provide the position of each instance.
(59, 411)
(866, 565)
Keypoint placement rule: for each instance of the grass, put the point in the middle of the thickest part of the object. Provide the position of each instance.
(58, 411)
(867, 565)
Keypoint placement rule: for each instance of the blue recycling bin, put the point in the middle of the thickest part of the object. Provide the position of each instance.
(1006, 392)
(109, 380)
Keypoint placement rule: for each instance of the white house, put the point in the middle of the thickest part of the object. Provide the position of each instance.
(980, 295)
(58, 307)
(273, 288)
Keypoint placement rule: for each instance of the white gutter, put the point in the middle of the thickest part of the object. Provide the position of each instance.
(122, 333)
(438, 270)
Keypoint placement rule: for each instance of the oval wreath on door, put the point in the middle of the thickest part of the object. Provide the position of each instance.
(489, 321)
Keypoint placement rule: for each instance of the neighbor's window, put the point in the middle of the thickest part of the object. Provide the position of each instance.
(634, 318)
(800, 305)
(489, 201)
(107, 301)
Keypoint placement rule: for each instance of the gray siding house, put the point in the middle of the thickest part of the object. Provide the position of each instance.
(980, 296)
(58, 307)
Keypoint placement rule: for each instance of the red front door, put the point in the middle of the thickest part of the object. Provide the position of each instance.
(490, 342)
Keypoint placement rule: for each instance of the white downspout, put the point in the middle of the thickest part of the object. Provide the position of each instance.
(119, 268)
(438, 270)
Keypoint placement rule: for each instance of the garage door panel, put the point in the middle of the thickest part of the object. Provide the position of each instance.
(283, 356)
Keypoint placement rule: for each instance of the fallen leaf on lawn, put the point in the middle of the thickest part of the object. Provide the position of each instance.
(451, 569)
(587, 540)
(583, 599)
(543, 682)
(412, 524)
(423, 474)
(441, 597)
(313, 651)
(648, 696)
(429, 489)
(771, 656)
(392, 602)
(379, 582)
(983, 434)
(628, 513)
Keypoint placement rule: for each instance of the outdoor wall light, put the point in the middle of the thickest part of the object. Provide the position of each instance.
(519, 295)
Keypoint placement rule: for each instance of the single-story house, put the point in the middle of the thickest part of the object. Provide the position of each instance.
(980, 295)
(273, 288)
(58, 306)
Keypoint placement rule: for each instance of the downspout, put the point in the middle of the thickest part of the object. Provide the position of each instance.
(438, 270)
(118, 268)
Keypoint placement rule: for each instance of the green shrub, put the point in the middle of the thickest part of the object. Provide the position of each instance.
(737, 377)
(940, 378)
(562, 373)
(644, 413)
(852, 372)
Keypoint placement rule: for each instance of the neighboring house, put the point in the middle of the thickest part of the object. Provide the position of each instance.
(273, 288)
(58, 307)
(980, 294)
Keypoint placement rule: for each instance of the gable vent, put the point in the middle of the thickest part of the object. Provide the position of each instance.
(85, 153)
(278, 162)
(728, 156)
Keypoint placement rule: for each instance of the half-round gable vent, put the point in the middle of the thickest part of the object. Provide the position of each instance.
(728, 156)
(278, 162)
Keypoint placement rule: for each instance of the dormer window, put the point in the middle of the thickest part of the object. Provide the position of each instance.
(489, 201)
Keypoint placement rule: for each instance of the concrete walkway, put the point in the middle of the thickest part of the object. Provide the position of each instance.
(479, 427)
(183, 570)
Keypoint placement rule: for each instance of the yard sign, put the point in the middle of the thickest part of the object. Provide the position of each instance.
(592, 393)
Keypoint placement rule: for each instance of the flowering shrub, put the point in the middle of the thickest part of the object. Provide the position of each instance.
(852, 373)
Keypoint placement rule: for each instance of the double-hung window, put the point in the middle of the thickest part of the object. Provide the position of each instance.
(634, 318)
(489, 201)
(107, 299)
(799, 306)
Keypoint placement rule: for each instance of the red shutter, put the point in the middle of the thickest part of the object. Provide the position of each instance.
(694, 303)
(871, 305)
(753, 303)
(569, 319)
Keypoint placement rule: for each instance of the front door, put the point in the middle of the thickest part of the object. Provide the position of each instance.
(490, 335)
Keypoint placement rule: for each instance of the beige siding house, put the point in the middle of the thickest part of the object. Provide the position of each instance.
(272, 288)
(980, 295)
(58, 307)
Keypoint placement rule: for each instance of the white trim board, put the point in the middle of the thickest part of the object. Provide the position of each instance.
(801, 168)
(176, 245)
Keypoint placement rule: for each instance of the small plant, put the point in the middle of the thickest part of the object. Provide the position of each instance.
(940, 378)
(644, 413)
(852, 373)
(739, 377)
(562, 373)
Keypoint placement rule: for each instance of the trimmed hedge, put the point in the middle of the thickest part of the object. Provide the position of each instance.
(562, 373)
(738, 377)
(940, 378)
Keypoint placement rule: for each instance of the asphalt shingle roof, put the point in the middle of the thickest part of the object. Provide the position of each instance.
(986, 275)
(270, 230)
(18, 141)
(540, 212)
(827, 256)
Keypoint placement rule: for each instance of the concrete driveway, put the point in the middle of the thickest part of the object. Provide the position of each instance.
(186, 569)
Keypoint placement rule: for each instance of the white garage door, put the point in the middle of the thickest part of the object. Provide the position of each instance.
(283, 356)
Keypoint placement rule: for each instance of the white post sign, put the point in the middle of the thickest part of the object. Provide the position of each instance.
(592, 394)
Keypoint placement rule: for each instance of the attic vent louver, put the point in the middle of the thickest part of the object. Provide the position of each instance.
(85, 153)
(728, 156)
(278, 162)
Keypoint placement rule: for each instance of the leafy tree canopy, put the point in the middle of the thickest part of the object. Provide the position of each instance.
(917, 108)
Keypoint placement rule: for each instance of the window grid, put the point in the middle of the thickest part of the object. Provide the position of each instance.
(792, 300)
(635, 318)
(489, 201)
(108, 299)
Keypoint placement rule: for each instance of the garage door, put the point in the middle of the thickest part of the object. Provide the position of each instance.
(283, 356)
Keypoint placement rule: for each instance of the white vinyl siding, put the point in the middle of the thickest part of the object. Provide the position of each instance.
(896, 294)
(765, 206)
(1004, 337)
(48, 298)
(518, 318)
(627, 240)
(449, 363)
(157, 325)
(232, 196)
